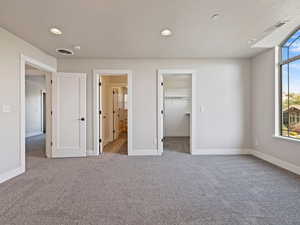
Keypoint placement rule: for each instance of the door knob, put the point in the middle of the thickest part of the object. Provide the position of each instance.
(82, 119)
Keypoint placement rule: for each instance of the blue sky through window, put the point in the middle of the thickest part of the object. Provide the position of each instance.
(293, 71)
(291, 48)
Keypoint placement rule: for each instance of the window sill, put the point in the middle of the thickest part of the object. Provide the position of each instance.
(286, 138)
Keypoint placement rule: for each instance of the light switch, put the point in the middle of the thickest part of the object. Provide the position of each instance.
(6, 108)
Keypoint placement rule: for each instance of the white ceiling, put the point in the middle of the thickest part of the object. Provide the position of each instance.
(130, 29)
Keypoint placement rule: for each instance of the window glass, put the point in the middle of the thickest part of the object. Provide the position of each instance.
(291, 47)
(290, 99)
(284, 100)
(294, 97)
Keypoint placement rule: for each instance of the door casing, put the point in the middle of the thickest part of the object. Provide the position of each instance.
(49, 70)
(98, 146)
(160, 106)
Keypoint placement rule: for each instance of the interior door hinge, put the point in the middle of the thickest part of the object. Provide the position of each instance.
(100, 83)
(51, 143)
(100, 140)
(51, 81)
(162, 111)
(162, 140)
(100, 112)
(51, 112)
(114, 131)
(162, 83)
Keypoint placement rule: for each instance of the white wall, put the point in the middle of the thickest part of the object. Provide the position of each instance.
(33, 108)
(11, 49)
(177, 103)
(263, 111)
(223, 92)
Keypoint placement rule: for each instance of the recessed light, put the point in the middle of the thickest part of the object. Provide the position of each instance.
(64, 51)
(55, 31)
(215, 16)
(77, 47)
(166, 33)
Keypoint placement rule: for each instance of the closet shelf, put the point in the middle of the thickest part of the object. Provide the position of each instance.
(179, 96)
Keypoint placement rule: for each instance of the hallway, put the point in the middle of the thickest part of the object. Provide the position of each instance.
(36, 146)
(118, 146)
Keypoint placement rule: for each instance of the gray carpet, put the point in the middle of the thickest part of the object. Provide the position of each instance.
(175, 189)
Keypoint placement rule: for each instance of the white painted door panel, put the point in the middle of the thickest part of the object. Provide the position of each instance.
(160, 114)
(115, 113)
(69, 115)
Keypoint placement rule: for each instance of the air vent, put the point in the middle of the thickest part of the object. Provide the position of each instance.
(275, 26)
(280, 24)
(64, 51)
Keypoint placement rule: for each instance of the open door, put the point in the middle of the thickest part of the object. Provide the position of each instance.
(102, 116)
(69, 115)
(160, 116)
(116, 113)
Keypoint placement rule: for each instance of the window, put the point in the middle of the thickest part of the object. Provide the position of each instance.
(290, 86)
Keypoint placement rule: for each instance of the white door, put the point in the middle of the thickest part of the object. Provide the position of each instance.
(115, 113)
(160, 113)
(69, 115)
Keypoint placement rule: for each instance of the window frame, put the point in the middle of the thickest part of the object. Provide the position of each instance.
(281, 63)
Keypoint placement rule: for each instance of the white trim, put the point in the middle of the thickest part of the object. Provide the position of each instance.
(277, 90)
(11, 174)
(278, 162)
(23, 61)
(193, 115)
(91, 152)
(34, 134)
(221, 151)
(144, 152)
(97, 105)
(286, 138)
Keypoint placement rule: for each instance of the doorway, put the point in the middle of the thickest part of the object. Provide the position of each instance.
(30, 66)
(113, 111)
(35, 108)
(176, 117)
(113, 100)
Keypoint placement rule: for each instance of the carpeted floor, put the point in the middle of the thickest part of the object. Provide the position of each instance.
(175, 189)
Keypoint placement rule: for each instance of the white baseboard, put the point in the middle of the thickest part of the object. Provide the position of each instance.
(34, 134)
(91, 152)
(221, 151)
(144, 152)
(278, 162)
(11, 174)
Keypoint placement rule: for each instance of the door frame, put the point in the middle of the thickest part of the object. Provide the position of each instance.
(49, 70)
(42, 113)
(160, 107)
(97, 73)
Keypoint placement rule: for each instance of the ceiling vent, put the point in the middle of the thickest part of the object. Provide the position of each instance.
(275, 26)
(64, 51)
(280, 24)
